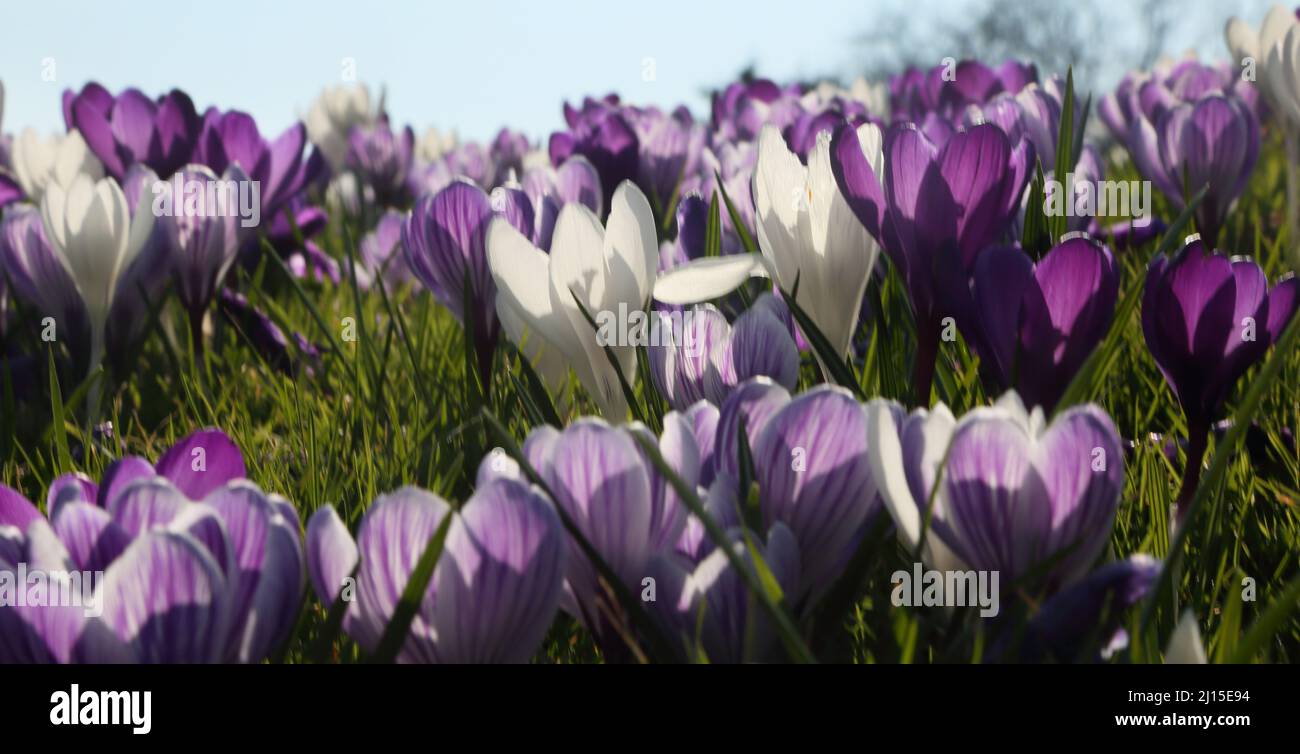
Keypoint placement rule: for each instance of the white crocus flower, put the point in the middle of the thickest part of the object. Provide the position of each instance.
(1185, 646)
(806, 232)
(332, 116)
(1275, 50)
(1267, 48)
(60, 158)
(95, 238)
(433, 144)
(607, 269)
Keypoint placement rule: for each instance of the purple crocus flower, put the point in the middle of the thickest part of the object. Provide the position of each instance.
(444, 245)
(752, 403)
(493, 593)
(507, 152)
(288, 353)
(281, 167)
(619, 502)
(810, 462)
(709, 599)
(757, 344)
(38, 277)
(290, 234)
(1093, 609)
(1213, 142)
(383, 159)
(601, 133)
(200, 247)
(740, 110)
(132, 128)
(1040, 321)
(380, 253)
(549, 189)
(946, 92)
(199, 565)
(665, 147)
(1014, 491)
(1207, 318)
(1145, 95)
(679, 353)
(936, 210)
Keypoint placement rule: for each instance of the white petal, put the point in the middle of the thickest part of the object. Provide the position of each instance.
(843, 252)
(520, 270)
(1185, 646)
(780, 187)
(885, 454)
(631, 246)
(709, 278)
(1242, 40)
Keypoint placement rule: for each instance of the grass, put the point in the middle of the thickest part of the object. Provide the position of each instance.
(392, 406)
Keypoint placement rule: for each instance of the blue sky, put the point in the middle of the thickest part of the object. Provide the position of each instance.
(471, 66)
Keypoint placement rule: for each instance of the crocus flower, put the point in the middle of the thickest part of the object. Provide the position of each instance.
(709, 599)
(1207, 318)
(757, 344)
(492, 595)
(38, 275)
(333, 115)
(132, 128)
(1275, 50)
(664, 151)
(433, 144)
(382, 158)
(550, 188)
(616, 499)
(1213, 142)
(380, 253)
(1040, 321)
(679, 356)
(199, 564)
(936, 210)
(290, 353)
(444, 245)
(96, 238)
(604, 270)
(201, 247)
(811, 464)
(807, 233)
(1092, 609)
(282, 168)
(601, 133)
(1014, 491)
(58, 159)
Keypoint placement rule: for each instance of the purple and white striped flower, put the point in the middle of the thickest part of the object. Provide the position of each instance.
(199, 565)
(493, 593)
(1013, 491)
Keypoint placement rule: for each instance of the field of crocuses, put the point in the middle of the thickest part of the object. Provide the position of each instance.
(965, 366)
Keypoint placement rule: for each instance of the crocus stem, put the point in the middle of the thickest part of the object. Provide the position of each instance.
(1197, 442)
(927, 351)
(196, 337)
(1292, 141)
